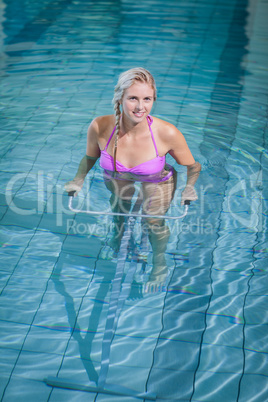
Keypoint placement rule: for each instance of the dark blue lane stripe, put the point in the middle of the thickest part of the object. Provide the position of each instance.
(33, 29)
(226, 97)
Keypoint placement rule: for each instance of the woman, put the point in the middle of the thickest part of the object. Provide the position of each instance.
(132, 146)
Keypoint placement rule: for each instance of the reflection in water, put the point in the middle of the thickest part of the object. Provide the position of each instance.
(124, 287)
(84, 343)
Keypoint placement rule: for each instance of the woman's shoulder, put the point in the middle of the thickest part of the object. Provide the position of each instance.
(165, 129)
(102, 123)
(100, 129)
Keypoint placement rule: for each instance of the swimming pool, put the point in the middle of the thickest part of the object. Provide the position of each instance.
(203, 337)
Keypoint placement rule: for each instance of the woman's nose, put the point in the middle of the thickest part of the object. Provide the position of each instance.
(139, 105)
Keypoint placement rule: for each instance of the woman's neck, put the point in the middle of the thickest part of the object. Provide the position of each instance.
(128, 126)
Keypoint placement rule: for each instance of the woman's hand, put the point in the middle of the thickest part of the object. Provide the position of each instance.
(74, 185)
(188, 193)
(86, 163)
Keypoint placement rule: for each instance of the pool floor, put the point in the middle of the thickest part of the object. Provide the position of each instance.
(73, 309)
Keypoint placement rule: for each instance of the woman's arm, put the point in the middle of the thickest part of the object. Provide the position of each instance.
(181, 153)
(189, 192)
(193, 173)
(88, 161)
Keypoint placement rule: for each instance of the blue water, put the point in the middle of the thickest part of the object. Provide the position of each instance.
(204, 337)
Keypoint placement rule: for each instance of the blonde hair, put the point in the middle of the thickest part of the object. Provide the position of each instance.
(125, 80)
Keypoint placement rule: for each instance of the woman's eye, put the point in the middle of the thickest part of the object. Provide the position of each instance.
(134, 98)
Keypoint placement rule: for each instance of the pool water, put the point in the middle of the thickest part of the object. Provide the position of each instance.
(70, 307)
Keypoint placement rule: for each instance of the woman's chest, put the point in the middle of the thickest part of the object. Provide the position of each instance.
(132, 151)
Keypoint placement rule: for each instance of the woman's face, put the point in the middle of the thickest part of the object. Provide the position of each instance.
(137, 101)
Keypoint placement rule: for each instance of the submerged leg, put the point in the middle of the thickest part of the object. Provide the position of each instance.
(157, 199)
(120, 201)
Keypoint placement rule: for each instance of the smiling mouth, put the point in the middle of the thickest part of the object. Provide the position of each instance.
(139, 114)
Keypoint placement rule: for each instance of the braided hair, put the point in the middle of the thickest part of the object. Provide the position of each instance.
(126, 79)
(117, 128)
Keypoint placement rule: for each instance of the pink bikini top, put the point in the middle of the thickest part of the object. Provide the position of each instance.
(151, 167)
